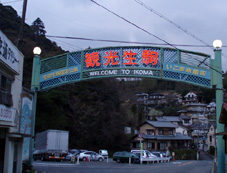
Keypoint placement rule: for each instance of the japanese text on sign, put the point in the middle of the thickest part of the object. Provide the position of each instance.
(8, 52)
(60, 73)
(93, 59)
(187, 70)
(6, 114)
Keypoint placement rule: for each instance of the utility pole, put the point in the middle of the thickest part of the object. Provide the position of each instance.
(20, 37)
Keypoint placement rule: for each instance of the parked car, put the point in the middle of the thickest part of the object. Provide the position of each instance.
(69, 156)
(72, 151)
(162, 154)
(123, 156)
(158, 154)
(145, 153)
(104, 153)
(91, 155)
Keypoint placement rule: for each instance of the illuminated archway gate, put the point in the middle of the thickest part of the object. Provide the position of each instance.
(154, 62)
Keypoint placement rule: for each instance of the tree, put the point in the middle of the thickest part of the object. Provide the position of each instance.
(38, 27)
(95, 118)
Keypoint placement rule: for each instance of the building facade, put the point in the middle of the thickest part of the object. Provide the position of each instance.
(11, 74)
(159, 136)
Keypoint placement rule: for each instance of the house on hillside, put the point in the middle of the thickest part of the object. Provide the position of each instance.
(211, 111)
(155, 99)
(176, 120)
(211, 135)
(186, 120)
(196, 111)
(190, 97)
(173, 119)
(157, 135)
(198, 131)
(141, 98)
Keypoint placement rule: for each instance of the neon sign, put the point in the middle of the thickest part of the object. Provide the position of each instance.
(112, 58)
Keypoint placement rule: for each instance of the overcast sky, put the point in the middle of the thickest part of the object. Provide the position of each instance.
(204, 19)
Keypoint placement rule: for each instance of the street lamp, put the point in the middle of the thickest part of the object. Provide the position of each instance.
(37, 51)
(216, 64)
(35, 89)
(217, 44)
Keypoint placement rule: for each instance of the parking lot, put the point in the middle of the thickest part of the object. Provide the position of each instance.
(112, 166)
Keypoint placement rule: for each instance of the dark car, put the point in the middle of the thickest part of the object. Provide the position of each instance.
(123, 156)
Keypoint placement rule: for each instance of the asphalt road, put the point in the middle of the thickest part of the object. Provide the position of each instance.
(183, 166)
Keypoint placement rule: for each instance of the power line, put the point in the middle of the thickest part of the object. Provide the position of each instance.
(201, 62)
(134, 24)
(11, 1)
(174, 24)
(126, 42)
(171, 22)
(67, 45)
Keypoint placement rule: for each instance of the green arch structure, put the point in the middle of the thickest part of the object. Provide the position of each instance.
(130, 61)
(133, 61)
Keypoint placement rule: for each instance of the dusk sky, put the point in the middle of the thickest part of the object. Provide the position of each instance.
(193, 23)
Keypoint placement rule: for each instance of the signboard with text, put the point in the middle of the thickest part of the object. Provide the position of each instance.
(6, 113)
(155, 62)
(9, 53)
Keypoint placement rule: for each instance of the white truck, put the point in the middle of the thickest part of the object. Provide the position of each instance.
(51, 145)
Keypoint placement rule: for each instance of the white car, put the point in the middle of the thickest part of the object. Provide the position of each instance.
(145, 153)
(91, 155)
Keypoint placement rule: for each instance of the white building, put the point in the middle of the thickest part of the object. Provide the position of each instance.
(211, 137)
(11, 73)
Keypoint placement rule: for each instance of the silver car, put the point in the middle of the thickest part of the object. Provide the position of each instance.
(91, 156)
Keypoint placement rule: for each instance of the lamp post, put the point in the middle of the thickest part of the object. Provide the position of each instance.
(35, 88)
(217, 82)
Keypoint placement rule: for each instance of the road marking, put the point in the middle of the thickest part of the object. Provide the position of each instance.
(186, 163)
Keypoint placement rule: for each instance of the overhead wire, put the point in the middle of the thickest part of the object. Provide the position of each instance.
(148, 32)
(67, 45)
(133, 24)
(174, 24)
(122, 41)
(11, 2)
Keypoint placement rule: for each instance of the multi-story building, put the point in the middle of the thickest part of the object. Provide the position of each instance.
(158, 135)
(211, 111)
(190, 98)
(11, 72)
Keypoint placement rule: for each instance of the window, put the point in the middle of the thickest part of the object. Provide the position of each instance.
(123, 154)
(160, 131)
(5, 84)
(186, 121)
(136, 145)
(5, 91)
(210, 138)
(150, 132)
(170, 131)
(151, 145)
(163, 145)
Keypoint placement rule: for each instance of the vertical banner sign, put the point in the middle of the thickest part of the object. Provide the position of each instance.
(26, 121)
(8, 52)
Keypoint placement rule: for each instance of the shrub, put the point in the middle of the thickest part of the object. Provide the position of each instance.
(211, 150)
(185, 154)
